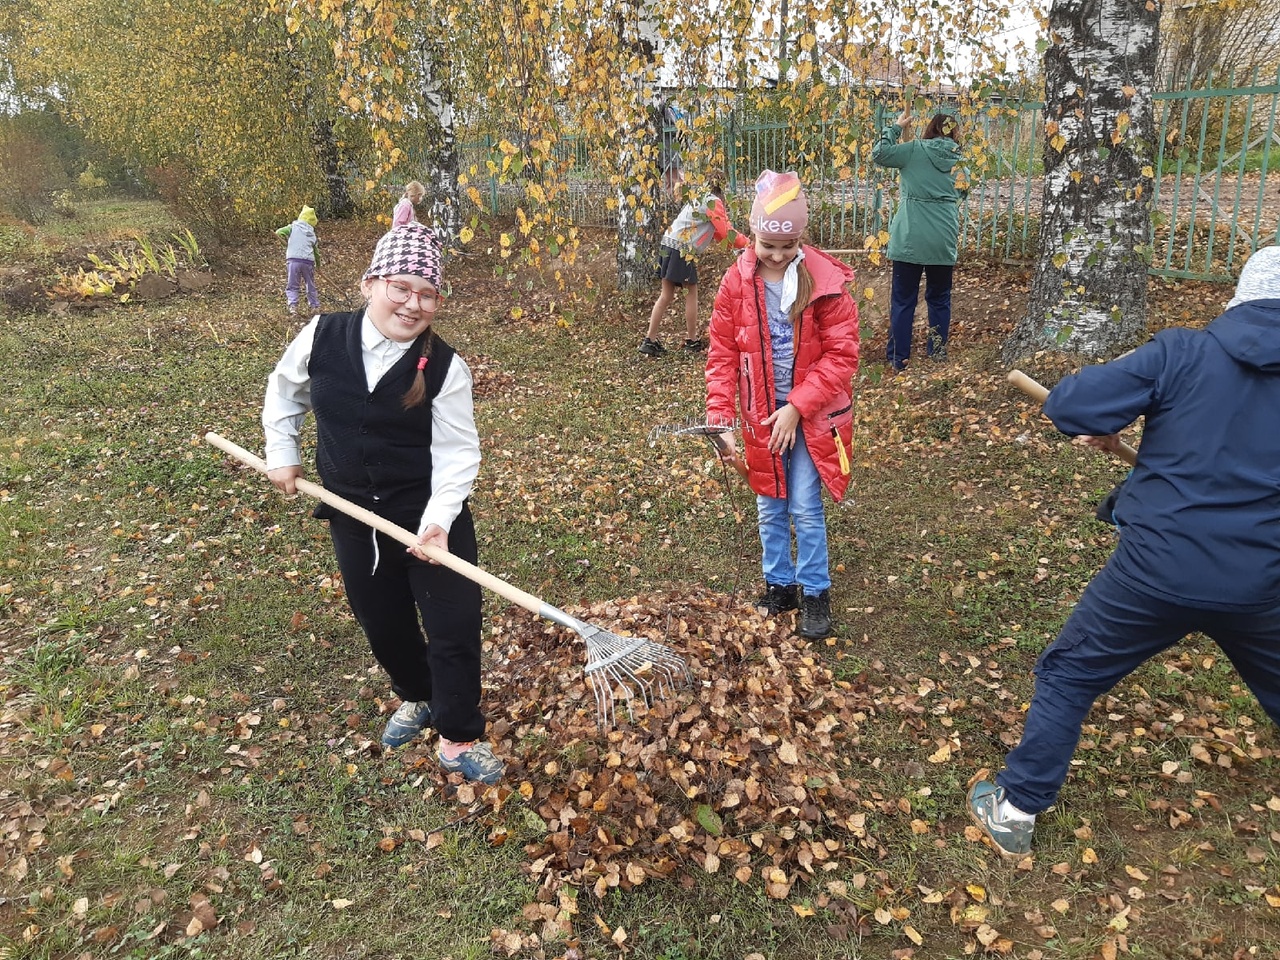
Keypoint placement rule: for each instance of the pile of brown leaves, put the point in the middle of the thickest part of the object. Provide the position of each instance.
(738, 769)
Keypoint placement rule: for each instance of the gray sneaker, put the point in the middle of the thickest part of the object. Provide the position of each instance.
(477, 764)
(1012, 838)
(409, 720)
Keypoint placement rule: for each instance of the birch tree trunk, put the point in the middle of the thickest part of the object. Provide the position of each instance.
(325, 141)
(783, 66)
(440, 165)
(1089, 294)
(639, 186)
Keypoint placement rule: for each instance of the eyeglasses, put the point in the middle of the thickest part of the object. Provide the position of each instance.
(398, 292)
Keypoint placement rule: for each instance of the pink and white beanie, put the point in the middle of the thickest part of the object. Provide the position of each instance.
(781, 212)
(781, 209)
(409, 248)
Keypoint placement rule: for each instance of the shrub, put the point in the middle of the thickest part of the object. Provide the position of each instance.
(89, 185)
(28, 174)
(209, 212)
(37, 151)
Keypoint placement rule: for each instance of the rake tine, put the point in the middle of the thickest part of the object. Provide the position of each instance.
(635, 658)
(604, 699)
(692, 426)
(635, 666)
(615, 662)
(711, 431)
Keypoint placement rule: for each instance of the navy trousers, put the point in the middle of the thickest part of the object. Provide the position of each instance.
(902, 309)
(442, 667)
(1114, 629)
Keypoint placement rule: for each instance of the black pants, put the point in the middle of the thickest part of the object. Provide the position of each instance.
(442, 667)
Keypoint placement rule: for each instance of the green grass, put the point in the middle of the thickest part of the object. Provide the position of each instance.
(95, 222)
(187, 702)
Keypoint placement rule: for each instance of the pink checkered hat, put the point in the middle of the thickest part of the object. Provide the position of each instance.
(409, 248)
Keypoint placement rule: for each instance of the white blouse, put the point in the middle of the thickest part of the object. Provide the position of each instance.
(455, 443)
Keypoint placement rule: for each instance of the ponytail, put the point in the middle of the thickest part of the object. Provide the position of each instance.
(416, 395)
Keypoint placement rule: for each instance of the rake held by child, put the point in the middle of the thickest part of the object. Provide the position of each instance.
(617, 667)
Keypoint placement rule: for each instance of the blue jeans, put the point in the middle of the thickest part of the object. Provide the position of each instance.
(1113, 630)
(902, 310)
(802, 507)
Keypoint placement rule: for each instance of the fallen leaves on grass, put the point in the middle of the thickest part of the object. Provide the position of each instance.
(741, 768)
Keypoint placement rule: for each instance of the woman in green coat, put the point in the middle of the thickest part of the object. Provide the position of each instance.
(924, 232)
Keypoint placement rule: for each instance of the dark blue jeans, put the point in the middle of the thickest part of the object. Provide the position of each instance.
(1113, 630)
(902, 310)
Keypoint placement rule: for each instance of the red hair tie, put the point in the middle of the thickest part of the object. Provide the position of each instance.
(422, 363)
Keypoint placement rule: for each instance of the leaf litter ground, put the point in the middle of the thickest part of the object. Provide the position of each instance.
(818, 786)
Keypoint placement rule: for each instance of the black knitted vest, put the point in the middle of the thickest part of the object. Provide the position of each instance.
(369, 448)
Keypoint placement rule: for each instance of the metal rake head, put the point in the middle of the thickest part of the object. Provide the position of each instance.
(629, 668)
(695, 427)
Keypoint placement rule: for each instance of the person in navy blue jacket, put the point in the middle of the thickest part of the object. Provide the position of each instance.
(1199, 547)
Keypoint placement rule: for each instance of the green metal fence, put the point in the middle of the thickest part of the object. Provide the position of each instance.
(1000, 217)
(1211, 205)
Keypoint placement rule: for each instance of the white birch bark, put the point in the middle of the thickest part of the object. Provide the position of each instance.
(440, 164)
(1089, 294)
(639, 187)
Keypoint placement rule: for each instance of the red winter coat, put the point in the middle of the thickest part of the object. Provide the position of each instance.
(740, 361)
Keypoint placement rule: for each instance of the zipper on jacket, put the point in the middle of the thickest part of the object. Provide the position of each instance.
(762, 327)
(770, 401)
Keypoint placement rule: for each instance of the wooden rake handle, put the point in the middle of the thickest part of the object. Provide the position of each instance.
(443, 557)
(1038, 392)
(721, 446)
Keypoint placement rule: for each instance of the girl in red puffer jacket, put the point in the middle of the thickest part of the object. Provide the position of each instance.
(784, 341)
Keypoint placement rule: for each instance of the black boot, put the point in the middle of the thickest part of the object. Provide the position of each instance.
(815, 616)
(776, 599)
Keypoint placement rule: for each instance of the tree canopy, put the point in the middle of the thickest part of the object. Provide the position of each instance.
(270, 103)
(1219, 38)
(211, 89)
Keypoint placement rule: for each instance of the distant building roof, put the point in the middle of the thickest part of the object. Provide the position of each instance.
(718, 68)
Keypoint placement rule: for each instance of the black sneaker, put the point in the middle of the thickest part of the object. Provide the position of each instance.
(815, 616)
(693, 346)
(776, 599)
(651, 348)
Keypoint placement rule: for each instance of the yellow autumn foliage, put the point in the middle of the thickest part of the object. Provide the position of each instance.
(219, 93)
(269, 103)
